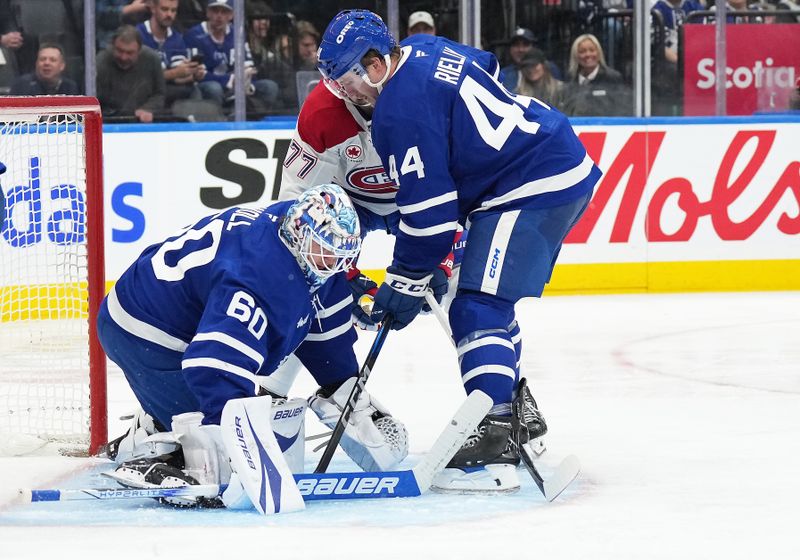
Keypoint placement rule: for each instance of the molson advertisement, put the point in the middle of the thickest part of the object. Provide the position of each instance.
(761, 71)
(691, 204)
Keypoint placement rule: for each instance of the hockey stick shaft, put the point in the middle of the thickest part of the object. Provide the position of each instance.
(441, 316)
(312, 486)
(363, 375)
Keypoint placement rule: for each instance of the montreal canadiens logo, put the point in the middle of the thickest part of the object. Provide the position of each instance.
(353, 152)
(371, 180)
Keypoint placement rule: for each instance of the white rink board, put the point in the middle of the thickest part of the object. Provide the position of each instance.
(164, 169)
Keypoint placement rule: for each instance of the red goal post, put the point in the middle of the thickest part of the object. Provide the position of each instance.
(52, 278)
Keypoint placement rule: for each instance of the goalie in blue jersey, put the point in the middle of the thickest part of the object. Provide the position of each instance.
(464, 150)
(207, 315)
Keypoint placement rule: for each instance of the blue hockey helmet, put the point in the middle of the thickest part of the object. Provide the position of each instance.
(322, 230)
(349, 36)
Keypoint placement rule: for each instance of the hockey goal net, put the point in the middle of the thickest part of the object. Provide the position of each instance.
(52, 368)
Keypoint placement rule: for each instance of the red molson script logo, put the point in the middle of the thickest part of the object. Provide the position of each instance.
(637, 157)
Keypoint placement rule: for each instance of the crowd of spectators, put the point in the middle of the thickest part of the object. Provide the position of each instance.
(174, 59)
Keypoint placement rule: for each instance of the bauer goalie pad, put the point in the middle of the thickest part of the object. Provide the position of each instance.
(257, 458)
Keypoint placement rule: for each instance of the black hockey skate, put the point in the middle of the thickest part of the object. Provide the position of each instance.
(490, 444)
(528, 425)
(164, 471)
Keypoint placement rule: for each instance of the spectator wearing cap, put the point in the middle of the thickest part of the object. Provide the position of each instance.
(181, 74)
(536, 80)
(213, 40)
(522, 41)
(421, 22)
(48, 77)
(130, 81)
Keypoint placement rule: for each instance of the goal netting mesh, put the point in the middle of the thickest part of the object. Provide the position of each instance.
(44, 335)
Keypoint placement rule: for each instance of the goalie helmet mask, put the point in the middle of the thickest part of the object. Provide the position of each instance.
(321, 229)
(349, 36)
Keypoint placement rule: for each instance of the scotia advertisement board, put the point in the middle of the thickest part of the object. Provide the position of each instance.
(761, 70)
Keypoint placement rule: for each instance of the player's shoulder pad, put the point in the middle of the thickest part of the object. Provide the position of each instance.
(325, 121)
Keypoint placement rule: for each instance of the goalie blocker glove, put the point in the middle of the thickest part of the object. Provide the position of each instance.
(373, 439)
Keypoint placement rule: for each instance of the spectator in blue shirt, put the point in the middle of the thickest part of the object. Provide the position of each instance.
(181, 73)
(48, 77)
(213, 40)
(674, 14)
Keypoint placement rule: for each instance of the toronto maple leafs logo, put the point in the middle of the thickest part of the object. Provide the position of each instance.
(353, 152)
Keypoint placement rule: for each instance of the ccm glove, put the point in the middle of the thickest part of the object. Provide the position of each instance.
(402, 295)
(363, 290)
(439, 284)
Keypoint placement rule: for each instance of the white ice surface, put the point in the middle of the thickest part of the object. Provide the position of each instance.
(684, 411)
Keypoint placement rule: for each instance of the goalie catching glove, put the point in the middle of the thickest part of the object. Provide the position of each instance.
(373, 439)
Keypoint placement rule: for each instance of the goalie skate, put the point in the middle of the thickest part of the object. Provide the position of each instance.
(164, 471)
(145, 438)
(373, 439)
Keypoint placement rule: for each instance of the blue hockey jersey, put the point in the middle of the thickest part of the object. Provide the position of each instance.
(457, 142)
(218, 58)
(172, 50)
(229, 295)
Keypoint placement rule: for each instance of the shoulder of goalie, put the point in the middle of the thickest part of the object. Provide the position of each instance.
(253, 452)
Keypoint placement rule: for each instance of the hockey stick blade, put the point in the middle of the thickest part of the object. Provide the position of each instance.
(316, 486)
(563, 475)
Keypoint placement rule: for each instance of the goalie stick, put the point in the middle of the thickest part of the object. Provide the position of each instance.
(564, 473)
(319, 486)
(363, 375)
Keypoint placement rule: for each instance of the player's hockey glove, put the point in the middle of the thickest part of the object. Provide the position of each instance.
(439, 283)
(402, 294)
(363, 289)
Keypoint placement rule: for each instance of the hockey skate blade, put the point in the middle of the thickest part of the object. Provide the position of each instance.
(562, 477)
(484, 481)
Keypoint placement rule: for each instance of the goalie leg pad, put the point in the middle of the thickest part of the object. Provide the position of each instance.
(289, 427)
(373, 439)
(256, 457)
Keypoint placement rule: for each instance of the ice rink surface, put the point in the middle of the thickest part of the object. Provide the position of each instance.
(684, 411)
